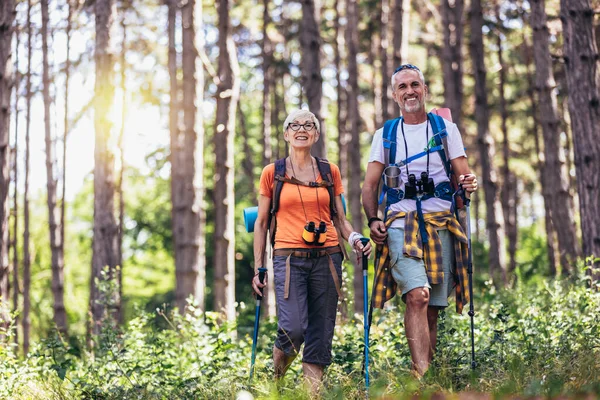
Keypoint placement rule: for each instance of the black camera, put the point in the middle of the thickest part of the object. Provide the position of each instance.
(416, 187)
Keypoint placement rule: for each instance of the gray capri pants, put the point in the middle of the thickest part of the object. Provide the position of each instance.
(308, 314)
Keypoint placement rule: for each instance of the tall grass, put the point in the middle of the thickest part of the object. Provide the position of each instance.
(538, 339)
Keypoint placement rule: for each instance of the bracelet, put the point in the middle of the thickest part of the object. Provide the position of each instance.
(373, 219)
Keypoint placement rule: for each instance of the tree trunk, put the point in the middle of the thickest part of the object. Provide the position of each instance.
(339, 46)
(188, 167)
(549, 226)
(556, 181)
(400, 30)
(583, 78)
(509, 195)
(7, 16)
(227, 97)
(312, 81)
(354, 175)
(15, 239)
(66, 125)
(177, 187)
(26, 322)
(385, 64)
(57, 258)
(123, 67)
(104, 257)
(267, 52)
(494, 219)
(452, 61)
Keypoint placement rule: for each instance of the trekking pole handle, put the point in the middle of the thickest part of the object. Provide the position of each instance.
(365, 241)
(463, 194)
(262, 271)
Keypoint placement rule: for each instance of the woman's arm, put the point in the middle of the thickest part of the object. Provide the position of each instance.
(346, 228)
(260, 240)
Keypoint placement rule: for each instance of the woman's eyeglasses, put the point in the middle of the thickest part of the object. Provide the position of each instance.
(307, 126)
(406, 66)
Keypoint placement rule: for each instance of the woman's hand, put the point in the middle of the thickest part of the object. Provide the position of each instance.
(362, 249)
(355, 240)
(257, 286)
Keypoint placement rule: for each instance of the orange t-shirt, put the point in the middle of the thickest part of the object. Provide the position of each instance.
(290, 217)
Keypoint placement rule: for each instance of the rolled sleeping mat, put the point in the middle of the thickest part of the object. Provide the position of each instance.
(250, 214)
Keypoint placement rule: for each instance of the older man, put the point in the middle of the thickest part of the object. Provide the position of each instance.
(420, 236)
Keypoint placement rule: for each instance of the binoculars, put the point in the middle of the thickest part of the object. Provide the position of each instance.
(416, 187)
(313, 235)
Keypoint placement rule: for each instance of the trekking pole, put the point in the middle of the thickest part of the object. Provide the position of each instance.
(365, 269)
(467, 202)
(261, 278)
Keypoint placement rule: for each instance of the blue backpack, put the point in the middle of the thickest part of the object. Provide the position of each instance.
(438, 143)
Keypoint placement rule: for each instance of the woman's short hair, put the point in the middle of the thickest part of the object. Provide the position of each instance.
(301, 114)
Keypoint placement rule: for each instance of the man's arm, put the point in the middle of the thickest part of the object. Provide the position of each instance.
(369, 200)
(463, 173)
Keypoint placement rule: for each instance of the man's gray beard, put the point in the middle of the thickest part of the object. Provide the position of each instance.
(410, 109)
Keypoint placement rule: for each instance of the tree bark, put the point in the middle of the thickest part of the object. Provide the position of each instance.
(508, 194)
(7, 16)
(15, 239)
(267, 52)
(354, 170)
(57, 257)
(452, 60)
(494, 219)
(26, 322)
(104, 257)
(384, 59)
(549, 226)
(583, 79)
(227, 97)
(401, 18)
(188, 165)
(339, 46)
(312, 81)
(123, 69)
(556, 181)
(66, 125)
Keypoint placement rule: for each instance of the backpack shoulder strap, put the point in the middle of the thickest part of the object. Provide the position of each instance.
(389, 140)
(277, 184)
(278, 180)
(325, 171)
(441, 137)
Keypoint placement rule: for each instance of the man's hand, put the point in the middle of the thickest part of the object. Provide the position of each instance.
(257, 286)
(468, 183)
(378, 232)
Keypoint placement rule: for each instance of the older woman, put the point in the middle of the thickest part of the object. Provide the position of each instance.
(307, 256)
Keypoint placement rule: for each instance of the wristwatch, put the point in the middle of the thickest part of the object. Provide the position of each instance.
(373, 219)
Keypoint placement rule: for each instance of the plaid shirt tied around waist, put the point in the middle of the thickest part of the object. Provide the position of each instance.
(384, 287)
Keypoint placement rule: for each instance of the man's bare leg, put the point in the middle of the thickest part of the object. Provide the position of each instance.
(417, 328)
(281, 362)
(313, 376)
(432, 318)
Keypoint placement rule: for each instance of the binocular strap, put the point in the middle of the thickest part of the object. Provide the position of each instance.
(336, 281)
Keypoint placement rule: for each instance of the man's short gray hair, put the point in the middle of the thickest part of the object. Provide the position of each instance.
(418, 71)
(301, 114)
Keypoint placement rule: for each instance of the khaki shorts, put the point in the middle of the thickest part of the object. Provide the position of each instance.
(409, 273)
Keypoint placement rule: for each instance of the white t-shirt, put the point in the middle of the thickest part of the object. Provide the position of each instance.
(416, 140)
